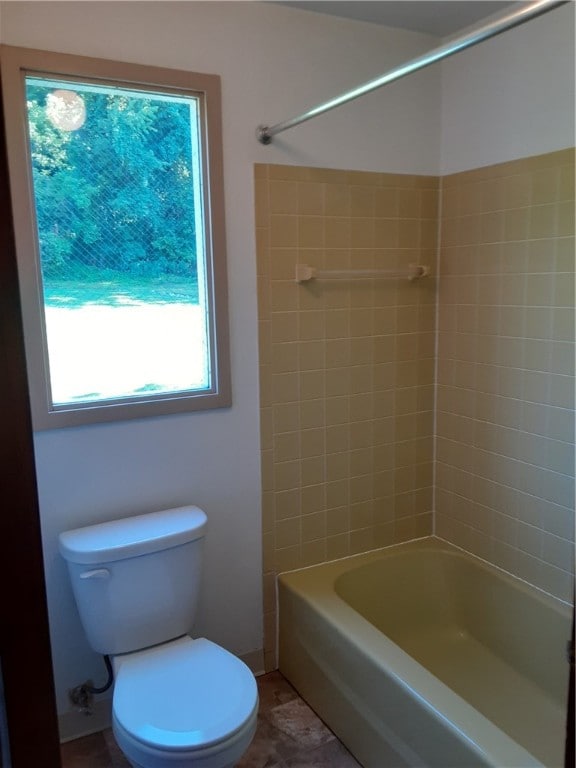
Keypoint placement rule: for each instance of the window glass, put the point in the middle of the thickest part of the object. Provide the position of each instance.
(119, 215)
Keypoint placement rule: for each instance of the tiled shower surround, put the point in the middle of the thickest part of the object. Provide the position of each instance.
(505, 400)
(348, 368)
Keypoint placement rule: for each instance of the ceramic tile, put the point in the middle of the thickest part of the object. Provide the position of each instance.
(368, 349)
(98, 750)
(510, 366)
(117, 759)
(332, 755)
(288, 735)
(296, 720)
(263, 752)
(274, 690)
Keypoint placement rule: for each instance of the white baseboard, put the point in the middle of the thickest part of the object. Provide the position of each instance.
(74, 724)
(254, 660)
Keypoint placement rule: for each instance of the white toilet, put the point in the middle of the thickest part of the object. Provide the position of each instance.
(178, 702)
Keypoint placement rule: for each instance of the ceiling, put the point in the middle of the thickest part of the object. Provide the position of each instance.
(432, 17)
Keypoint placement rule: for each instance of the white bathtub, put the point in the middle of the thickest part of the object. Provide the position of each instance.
(422, 655)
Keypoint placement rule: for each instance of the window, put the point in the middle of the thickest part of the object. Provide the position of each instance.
(116, 177)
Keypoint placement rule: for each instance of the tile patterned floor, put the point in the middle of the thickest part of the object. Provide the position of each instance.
(289, 735)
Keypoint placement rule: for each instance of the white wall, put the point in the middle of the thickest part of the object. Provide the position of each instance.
(274, 62)
(512, 96)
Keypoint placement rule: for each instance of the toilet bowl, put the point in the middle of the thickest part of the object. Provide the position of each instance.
(184, 703)
(178, 702)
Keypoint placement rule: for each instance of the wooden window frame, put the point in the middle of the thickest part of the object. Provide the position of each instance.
(17, 63)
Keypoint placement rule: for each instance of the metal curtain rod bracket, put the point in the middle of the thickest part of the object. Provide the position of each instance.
(304, 273)
(265, 133)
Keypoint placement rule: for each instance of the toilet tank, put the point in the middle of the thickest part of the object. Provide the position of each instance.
(136, 580)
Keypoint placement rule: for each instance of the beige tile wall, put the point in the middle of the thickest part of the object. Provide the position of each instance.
(505, 407)
(346, 368)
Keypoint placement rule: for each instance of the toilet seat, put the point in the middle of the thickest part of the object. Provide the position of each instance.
(183, 700)
(222, 755)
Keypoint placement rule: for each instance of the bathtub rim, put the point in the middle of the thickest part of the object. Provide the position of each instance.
(433, 542)
(483, 736)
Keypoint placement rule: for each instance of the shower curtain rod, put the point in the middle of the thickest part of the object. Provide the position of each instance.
(265, 133)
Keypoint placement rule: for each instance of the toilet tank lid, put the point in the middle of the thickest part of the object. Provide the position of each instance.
(133, 536)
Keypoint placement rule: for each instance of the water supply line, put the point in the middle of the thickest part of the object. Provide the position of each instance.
(90, 688)
(509, 20)
(82, 695)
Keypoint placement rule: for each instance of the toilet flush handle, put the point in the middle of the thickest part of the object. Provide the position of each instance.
(98, 573)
